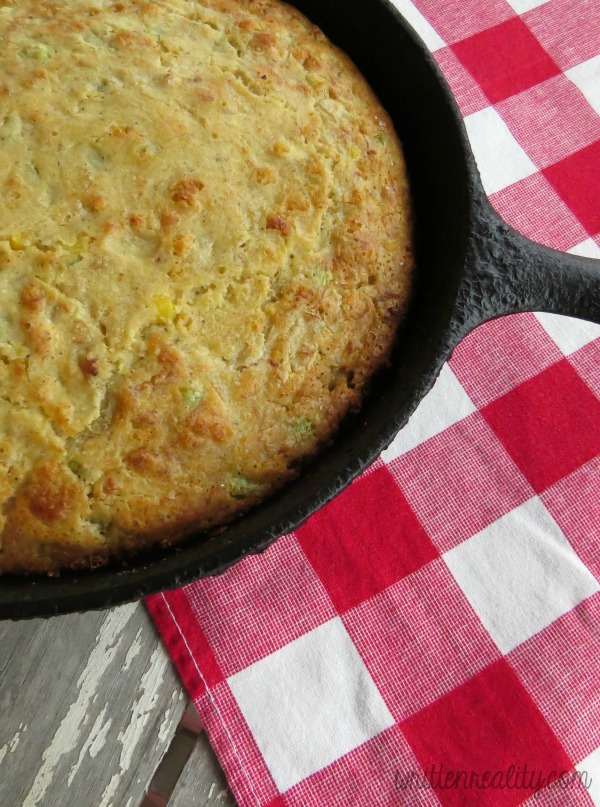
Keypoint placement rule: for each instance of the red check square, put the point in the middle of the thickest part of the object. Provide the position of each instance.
(551, 120)
(554, 668)
(460, 481)
(549, 425)
(365, 540)
(420, 639)
(533, 207)
(515, 349)
(262, 599)
(576, 179)
(575, 506)
(506, 59)
(487, 724)
(459, 21)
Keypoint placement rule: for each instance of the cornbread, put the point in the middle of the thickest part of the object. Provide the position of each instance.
(204, 256)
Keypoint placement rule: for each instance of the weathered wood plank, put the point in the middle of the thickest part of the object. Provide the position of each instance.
(172, 764)
(88, 705)
(202, 782)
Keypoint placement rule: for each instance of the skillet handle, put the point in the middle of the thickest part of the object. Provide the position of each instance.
(507, 273)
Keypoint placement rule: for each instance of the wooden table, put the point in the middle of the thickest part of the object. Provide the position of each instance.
(92, 714)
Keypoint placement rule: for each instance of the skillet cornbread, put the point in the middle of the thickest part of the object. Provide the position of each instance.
(204, 256)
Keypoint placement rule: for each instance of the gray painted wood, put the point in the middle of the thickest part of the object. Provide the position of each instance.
(88, 705)
(202, 782)
(172, 764)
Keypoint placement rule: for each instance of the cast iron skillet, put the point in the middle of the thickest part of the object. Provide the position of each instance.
(472, 268)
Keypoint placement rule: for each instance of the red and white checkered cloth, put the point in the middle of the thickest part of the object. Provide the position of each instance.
(441, 618)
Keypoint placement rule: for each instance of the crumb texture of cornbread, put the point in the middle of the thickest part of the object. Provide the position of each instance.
(204, 255)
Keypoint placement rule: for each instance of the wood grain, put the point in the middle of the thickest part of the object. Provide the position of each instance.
(88, 705)
(202, 782)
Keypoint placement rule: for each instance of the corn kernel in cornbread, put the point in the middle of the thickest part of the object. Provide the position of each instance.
(204, 255)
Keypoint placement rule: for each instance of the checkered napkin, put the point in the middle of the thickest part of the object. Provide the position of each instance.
(433, 635)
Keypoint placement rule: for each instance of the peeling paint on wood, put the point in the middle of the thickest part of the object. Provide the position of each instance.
(130, 737)
(133, 651)
(88, 705)
(72, 726)
(202, 783)
(95, 739)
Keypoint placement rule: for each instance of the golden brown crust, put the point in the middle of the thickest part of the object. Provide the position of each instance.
(204, 256)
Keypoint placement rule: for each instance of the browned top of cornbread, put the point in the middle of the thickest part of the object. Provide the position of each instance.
(204, 255)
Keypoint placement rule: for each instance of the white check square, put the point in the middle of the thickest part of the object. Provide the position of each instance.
(589, 771)
(521, 6)
(310, 703)
(520, 574)
(588, 248)
(586, 77)
(444, 405)
(500, 159)
(567, 333)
